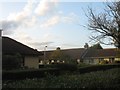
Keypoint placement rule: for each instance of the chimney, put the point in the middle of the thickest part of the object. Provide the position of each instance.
(0, 32)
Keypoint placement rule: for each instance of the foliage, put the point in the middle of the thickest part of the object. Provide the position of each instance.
(59, 55)
(56, 55)
(55, 69)
(65, 67)
(32, 73)
(116, 62)
(93, 68)
(99, 79)
(83, 65)
(96, 46)
(11, 61)
(106, 25)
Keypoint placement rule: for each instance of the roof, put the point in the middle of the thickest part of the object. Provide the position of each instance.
(81, 53)
(11, 46)
(97, 53)
(75, 53)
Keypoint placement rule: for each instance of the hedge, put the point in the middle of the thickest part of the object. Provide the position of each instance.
(63, 66)
(93, 68)
(54, 70)
(24, 74)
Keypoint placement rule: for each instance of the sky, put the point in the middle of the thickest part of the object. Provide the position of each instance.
(51, 23)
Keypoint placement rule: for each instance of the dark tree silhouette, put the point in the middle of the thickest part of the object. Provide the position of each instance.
(96, 46)
(106, 25)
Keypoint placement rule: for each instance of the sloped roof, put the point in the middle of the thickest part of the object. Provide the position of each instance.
(95, 53)
(75, 53)
(81, 53)
(11, 46)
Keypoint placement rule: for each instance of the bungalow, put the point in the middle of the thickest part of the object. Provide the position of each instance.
(95, 56)
(74, 54)
(30, 56)
(88, 55)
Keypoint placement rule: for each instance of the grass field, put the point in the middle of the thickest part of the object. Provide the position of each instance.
(99, 79)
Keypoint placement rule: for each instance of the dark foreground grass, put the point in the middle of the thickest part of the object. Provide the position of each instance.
(99, 79)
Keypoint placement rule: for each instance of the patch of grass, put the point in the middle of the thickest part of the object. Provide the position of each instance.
(99, 79)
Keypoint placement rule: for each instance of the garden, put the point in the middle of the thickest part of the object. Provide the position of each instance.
(58, 76)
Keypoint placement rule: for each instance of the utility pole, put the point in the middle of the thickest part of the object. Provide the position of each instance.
(45, 53)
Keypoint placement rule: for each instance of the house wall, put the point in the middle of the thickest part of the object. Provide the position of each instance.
(106, 59)
(117, 59)
(86, 61)
(96, 61)
(91, 61)
(31, 61)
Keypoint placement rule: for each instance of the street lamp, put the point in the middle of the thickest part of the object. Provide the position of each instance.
(45, 53)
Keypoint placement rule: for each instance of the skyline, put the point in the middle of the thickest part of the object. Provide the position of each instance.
(52, 24)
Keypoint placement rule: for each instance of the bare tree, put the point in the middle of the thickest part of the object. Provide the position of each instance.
(106, 25)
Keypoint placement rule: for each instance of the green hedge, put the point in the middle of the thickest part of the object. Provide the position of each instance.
(109, 79)
(63, 66)
(55, 69)
(23, 74)
(97, 68)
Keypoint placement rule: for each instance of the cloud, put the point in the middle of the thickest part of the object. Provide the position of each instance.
(8, 26)
(19, 16)
(27, 17)
(38, 44)
(71, 18)
(45, 7)
(51, 21)
(60, 18)
(15, 20)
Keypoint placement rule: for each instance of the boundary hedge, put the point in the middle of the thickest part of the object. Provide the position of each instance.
(39, 73)
(24, 74)
(93, 68)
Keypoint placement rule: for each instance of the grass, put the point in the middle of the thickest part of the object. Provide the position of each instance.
(99, 79)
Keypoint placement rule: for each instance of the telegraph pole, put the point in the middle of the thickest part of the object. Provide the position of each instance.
(45, 53)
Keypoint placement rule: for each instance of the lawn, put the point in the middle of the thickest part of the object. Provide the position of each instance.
(99, 79)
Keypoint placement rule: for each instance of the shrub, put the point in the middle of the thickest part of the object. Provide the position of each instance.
(99, 79)
(11, 61)
(64, 66)
(97, 68)
(104, 62)
(23, 74)
(116, 61)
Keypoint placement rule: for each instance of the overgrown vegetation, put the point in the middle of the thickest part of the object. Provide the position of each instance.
(98, 79)
(11, 61)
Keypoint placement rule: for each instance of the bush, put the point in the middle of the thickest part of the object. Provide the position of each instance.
(100, 79)
(11, 61)
(63, 66)
(116, 61)
(97, 68)
(23, 74)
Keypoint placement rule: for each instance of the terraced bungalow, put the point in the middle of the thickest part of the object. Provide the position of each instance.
(95, 56)
(89, 56)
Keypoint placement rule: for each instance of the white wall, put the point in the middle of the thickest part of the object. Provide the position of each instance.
(31, 61)
(117, 59)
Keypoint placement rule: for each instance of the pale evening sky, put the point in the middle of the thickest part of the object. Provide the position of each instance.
(54, 23)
